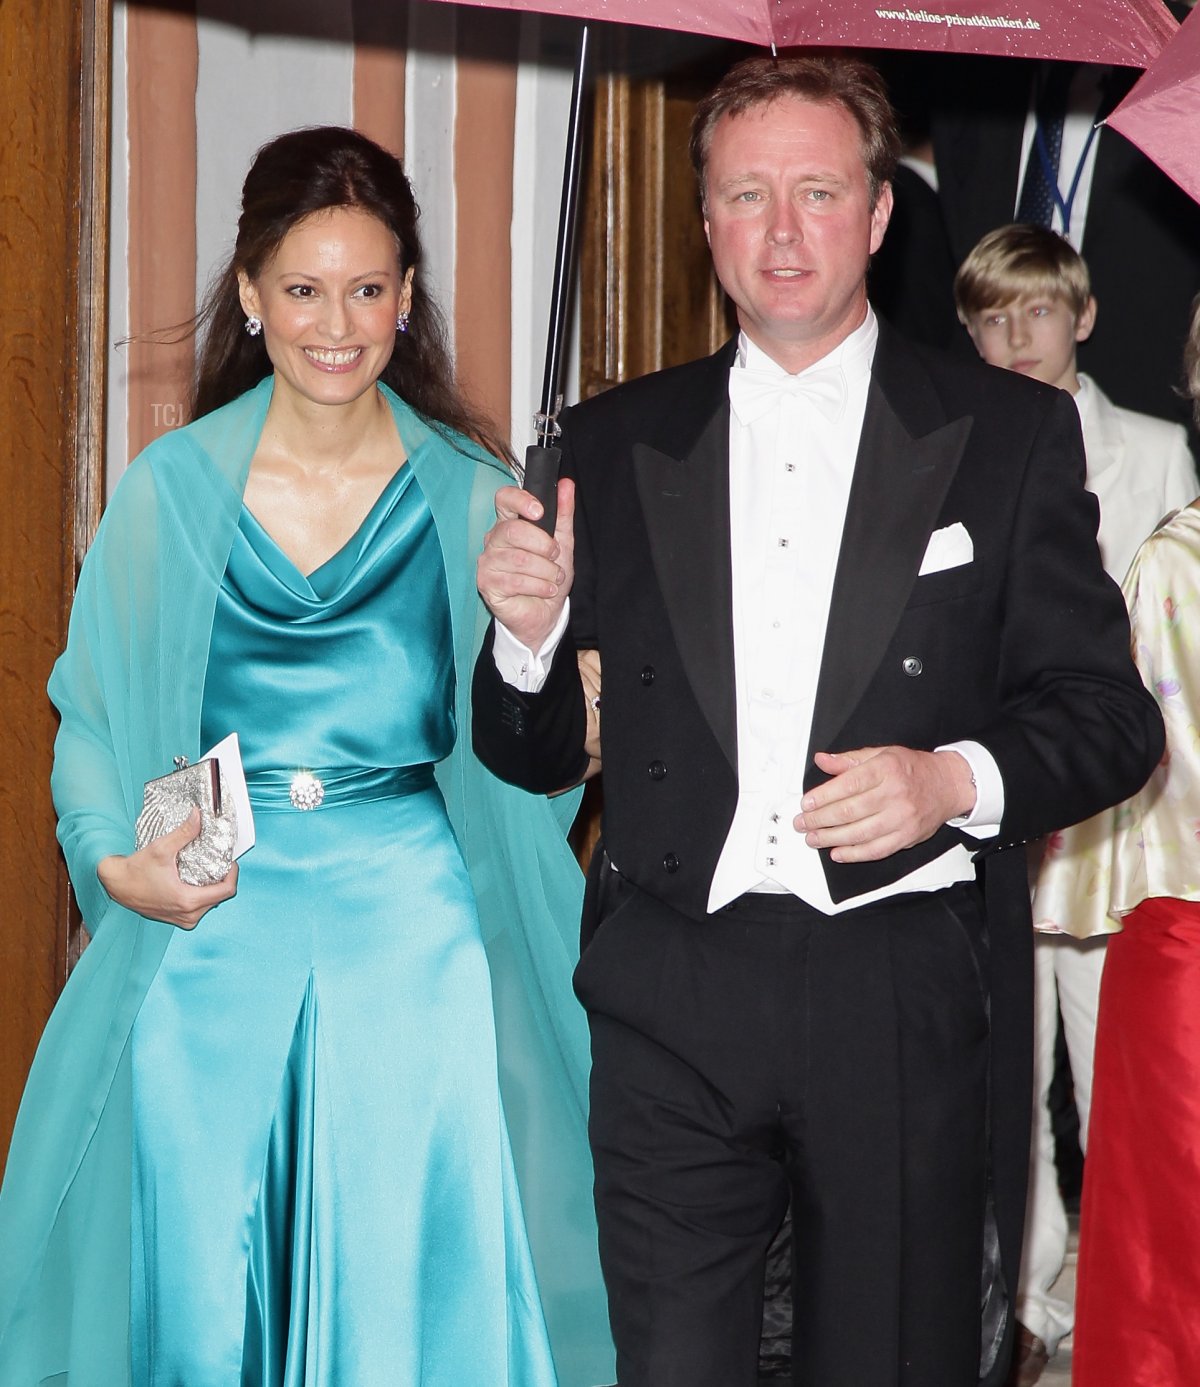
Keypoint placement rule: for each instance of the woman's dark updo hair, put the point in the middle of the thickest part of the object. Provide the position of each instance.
(292, 177)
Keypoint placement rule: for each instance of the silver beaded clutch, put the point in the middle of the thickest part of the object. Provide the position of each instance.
(167, 801)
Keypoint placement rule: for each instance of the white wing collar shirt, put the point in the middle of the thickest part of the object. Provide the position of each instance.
(793, 441)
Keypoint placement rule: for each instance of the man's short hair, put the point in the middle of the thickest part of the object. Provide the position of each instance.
(1018, 262)
(829, 78)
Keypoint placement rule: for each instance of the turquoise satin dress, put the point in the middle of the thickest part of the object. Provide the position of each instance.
(322, 1187)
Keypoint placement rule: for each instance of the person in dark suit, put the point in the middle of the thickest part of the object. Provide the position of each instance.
(855, 645)
(911, 280)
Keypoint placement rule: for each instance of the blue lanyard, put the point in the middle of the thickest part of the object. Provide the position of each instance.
(1064, 205)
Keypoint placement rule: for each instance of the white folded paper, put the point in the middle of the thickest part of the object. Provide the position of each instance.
(228, 755)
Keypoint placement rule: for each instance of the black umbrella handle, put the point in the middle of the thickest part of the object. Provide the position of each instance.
(541, 480)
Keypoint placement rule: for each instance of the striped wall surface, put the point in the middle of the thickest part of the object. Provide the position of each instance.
(475, 102)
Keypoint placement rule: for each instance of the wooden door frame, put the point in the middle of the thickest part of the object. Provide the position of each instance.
(649, 295)
(55, 101)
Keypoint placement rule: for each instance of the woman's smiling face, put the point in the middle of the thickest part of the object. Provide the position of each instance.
(328, 300)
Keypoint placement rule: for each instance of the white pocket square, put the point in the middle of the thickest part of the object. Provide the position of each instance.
(948, 548)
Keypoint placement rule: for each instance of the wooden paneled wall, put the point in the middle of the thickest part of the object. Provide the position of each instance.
(53, 111)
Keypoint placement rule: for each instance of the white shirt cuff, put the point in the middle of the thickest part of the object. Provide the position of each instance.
(518, 665)
(984, 820)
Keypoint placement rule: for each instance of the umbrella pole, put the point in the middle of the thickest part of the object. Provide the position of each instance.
(542, 457)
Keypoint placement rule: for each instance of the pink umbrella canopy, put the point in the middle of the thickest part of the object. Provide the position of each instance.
(1127, 33)
(1161, 115)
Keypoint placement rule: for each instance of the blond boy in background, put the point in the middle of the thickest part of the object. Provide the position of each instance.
(1024, 295)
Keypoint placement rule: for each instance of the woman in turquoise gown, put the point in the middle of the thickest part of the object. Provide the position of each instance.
(266, 1138)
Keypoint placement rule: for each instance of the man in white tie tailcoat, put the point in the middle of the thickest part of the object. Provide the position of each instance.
(856, 646)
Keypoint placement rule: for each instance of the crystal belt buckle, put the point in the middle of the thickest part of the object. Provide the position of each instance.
(306, 791)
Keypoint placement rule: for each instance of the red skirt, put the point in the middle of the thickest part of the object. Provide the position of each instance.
(1137, 1306)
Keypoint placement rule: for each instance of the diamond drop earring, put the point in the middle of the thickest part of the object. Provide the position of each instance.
(402, 322)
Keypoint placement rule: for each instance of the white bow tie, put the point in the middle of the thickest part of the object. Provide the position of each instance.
(753, 394)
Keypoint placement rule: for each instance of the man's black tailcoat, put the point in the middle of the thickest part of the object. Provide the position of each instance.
(1025, 649)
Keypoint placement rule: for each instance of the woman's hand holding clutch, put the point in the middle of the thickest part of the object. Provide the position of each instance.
(148, 883)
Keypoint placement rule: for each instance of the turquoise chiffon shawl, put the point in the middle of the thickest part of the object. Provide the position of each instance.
(129, 689)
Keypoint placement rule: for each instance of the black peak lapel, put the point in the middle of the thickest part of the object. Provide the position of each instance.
(685, 502)
(903, 471)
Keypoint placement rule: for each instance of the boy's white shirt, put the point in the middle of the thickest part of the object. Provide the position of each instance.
(1139, 468)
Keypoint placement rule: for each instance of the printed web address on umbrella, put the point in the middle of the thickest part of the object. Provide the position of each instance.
(968, 21)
